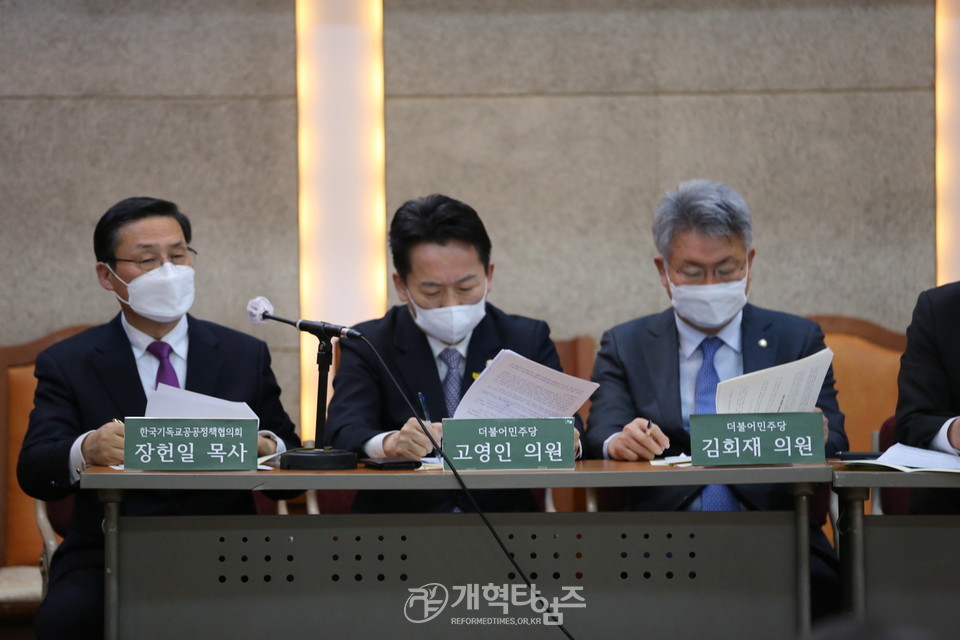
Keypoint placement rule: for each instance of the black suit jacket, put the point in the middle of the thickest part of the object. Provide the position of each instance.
(638, 370)
(929, 383)
(92, 378)
(365, 402)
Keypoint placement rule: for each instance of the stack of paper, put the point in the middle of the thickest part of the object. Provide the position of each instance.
(905, 458)
(512, 386)
(791, 387)
(173, 402)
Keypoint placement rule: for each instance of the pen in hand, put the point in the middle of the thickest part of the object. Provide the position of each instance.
(426, 418)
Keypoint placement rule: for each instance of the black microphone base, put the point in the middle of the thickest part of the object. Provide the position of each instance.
(319, 460)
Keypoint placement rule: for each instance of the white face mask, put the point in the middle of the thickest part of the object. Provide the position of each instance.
(161, 295)
(450, 325)
(709, 306)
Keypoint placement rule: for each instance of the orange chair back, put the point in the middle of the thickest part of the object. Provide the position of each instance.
(20, 542)
(865, 365)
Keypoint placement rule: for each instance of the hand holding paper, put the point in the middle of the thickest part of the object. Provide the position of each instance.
(104, 446)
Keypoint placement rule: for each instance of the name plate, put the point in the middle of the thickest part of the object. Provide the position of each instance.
(526, 443)
(732, 439)
(190, 444)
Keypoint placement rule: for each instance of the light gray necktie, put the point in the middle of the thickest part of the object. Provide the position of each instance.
(451, 382)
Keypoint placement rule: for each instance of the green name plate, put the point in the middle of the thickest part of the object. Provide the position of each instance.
(190, 444)
(525, 443)
(732, 439)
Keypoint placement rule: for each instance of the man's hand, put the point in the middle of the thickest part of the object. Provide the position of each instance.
(104, 446)
(411, 441)
(639, 440)
(265, 446)
(826, 425)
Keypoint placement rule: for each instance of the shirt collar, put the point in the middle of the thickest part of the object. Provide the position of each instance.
(436, 346)
(176, 338)
(690, 338)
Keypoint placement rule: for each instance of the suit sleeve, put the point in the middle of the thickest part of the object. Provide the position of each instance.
(270, 410)
(827, 400)
(924, 403)
(43, 467)
(354, 415)
(612, 404)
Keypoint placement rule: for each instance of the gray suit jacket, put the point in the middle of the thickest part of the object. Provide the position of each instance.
(638, 370)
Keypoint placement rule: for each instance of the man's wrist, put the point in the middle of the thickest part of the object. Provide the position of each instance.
(388, 442)
(953, 434)
(77, 460)
(612, 445)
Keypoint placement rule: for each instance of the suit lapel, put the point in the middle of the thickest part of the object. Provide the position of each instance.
(117, 370)
(204, 360)
(416, 367)
(661, 345)
(485, 344)
(759, 340)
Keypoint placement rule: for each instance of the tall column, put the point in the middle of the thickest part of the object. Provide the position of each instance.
(342, 192)
(948, 141)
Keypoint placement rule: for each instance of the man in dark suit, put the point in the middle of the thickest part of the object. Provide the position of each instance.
(88, 383)
(928, 405)
(435, 344)
(651, 369)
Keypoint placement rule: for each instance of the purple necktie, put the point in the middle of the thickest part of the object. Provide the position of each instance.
(165, 373)
(451, 381)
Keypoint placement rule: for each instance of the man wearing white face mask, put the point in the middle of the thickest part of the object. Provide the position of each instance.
(657, 370)
(435, 343)
(88, 383)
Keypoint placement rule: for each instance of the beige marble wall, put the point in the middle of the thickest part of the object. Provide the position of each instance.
(561, 121)
(189, 100)
(564, 122)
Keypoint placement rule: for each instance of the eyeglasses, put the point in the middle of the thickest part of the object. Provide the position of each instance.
(151, 262)
(696, 275)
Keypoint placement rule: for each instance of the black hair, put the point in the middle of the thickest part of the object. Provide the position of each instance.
(106, 236)
(438, 219)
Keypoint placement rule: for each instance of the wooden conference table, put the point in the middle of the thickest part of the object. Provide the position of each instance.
(676, 574)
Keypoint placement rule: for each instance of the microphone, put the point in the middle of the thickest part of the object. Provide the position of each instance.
(325, 329)
(259, 310)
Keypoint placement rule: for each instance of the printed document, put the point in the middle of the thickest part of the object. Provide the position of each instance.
(791, 387)
(173, 402)
(906, 458)
(512, 386)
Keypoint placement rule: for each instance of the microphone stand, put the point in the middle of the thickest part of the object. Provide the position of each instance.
(319, 458)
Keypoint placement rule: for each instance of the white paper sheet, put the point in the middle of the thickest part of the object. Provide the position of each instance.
(791, 387)
(512, 386)
(907, 456)
(173, 402)
(682, 460)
